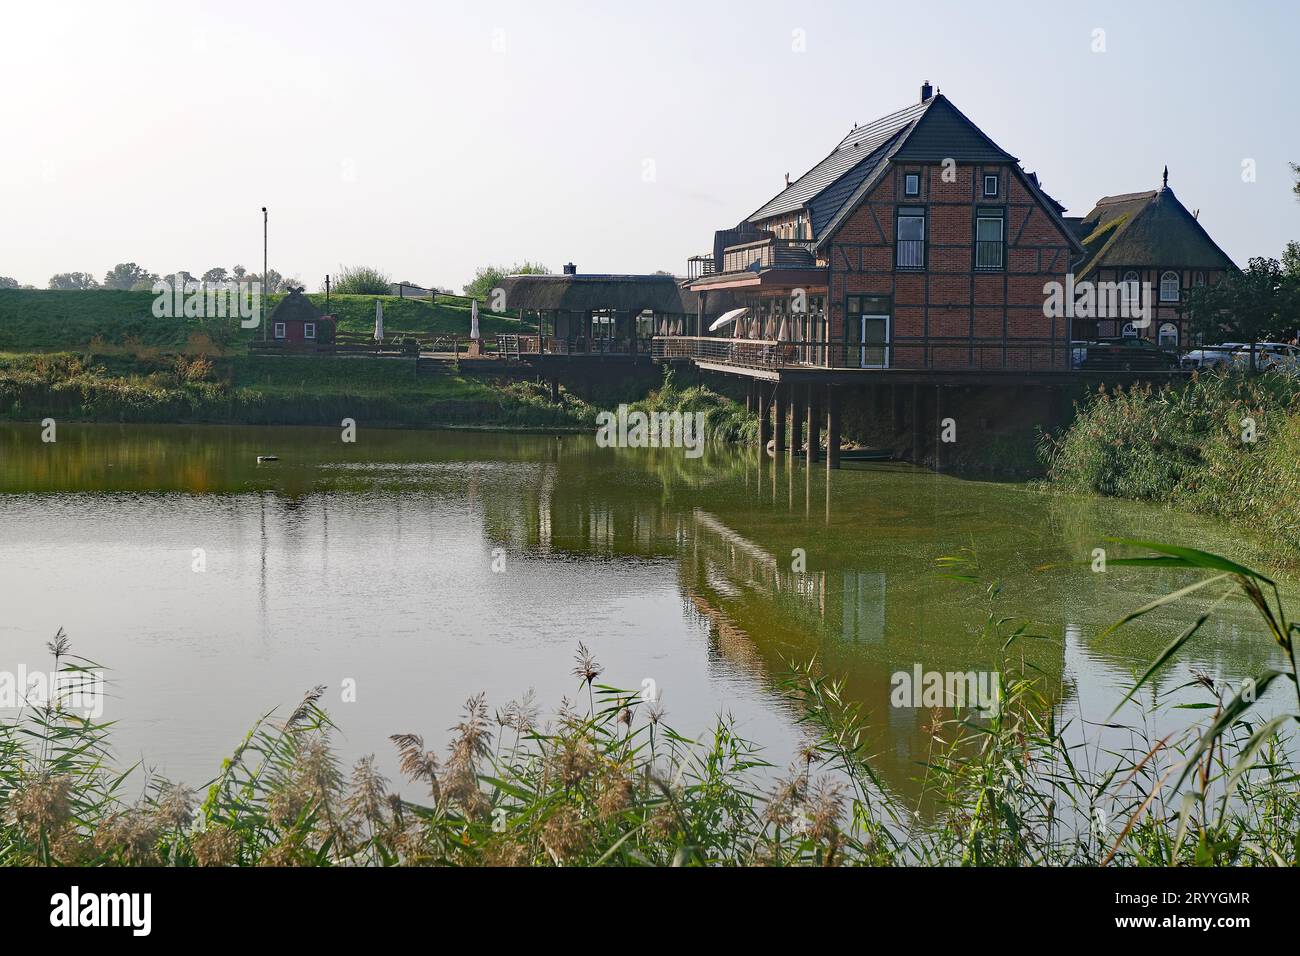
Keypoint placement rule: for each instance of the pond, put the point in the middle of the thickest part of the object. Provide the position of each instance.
(409, 570)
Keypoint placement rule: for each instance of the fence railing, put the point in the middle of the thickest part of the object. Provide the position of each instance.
(920, 353)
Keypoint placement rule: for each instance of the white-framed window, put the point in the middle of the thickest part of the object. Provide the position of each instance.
(1130, 290)
(1168, 337)
(1169, 287)
(910, 238)
(912, 184)
(988, 239)
(279, 330)
(309, 330)
(990, 185)
(1129, 332)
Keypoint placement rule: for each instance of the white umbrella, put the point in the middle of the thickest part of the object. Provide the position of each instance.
(473, 319)
(726, 318)
(781, 334)
(379, 320)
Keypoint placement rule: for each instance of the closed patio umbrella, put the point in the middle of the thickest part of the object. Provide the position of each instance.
(473, 319)
(727, 318)
(379, 320)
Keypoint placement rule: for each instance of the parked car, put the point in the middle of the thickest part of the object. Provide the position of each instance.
(1276, 356)
(1210, 356)
(1127, 355)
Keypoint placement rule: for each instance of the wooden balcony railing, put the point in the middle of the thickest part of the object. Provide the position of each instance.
(920, 353)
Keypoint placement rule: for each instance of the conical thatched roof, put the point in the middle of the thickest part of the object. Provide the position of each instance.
(1151, 229)
(296, 307)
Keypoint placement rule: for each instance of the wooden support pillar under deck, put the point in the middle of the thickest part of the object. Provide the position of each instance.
(796, 421)
(781, 412)
(764, 419)
(814, 426)
(918, 449)
(555, 389)
(832, 428)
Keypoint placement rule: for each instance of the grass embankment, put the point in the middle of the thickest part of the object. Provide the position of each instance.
(606, 781)
(259, 389)
(107, 321)
(102, 355)
(1224, 444)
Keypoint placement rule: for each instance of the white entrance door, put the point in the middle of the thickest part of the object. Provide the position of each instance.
(874, 348)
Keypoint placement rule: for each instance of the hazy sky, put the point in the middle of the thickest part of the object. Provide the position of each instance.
(428, 138)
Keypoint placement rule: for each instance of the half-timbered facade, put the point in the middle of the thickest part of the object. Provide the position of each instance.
(1155, 250)
(917, 243)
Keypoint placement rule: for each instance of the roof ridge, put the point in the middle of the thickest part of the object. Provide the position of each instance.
(1127, 197)
(883, 120)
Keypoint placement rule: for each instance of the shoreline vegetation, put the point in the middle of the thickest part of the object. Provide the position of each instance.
(1223, 443)
(606, 781)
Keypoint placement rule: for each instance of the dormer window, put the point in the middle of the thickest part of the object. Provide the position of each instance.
(912, 184)
(990, 186)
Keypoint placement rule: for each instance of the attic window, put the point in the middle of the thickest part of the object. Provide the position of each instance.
(912, 184)
(990, 185)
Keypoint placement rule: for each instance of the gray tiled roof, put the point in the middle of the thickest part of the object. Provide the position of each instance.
(926, 132)
(861, 146)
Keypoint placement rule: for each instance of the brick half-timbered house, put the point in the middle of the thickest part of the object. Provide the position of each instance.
(917, 243)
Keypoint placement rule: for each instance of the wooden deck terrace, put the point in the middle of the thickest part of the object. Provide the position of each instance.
(918, 361)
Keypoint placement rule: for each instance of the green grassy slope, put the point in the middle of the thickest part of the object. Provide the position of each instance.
(270, 389)
(51, 321)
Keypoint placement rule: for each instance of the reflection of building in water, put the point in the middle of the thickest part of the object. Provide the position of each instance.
(864, 607)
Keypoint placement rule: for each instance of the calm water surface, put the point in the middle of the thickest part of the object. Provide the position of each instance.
(374, 562)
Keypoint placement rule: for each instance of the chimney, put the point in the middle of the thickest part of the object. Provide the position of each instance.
(787, 180)
(927, 91)
(570, 269)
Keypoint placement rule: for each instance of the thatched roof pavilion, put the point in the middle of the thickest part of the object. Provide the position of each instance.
(598, 293)
(600, 313)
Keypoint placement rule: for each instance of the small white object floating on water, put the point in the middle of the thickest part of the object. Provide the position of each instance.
(262, 458)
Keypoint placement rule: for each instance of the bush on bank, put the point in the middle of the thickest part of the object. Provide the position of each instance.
(1224, 443)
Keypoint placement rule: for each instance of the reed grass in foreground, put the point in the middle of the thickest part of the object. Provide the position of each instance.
(605, 780)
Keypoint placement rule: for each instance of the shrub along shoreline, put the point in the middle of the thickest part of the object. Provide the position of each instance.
(1225, 444)
(272, 390)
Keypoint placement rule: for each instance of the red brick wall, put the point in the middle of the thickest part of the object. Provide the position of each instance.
(950, 299)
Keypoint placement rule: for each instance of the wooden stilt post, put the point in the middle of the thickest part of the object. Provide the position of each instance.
(814, 426)
(764, 419)
(781, 411)
(832, 428)
(796, 420)
(918, 436)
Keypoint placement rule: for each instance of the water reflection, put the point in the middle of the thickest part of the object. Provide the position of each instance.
(374, 562)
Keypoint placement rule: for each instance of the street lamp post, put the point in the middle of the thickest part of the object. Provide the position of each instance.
(265, 289)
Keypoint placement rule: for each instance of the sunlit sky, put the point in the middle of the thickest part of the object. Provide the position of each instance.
(428, 138)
